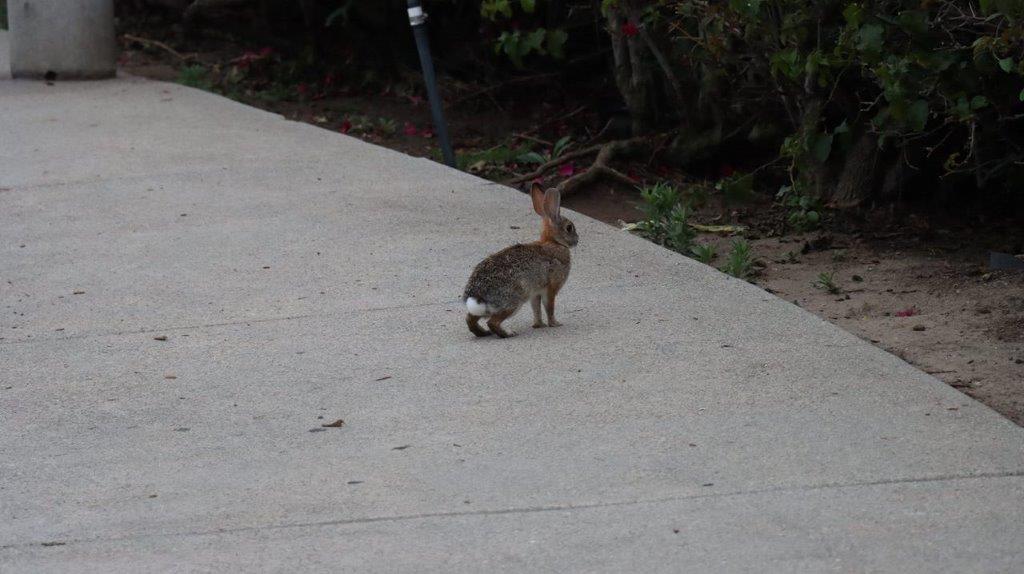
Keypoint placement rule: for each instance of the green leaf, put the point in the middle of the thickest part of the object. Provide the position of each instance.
(534, 41)
(870, 38)
(978, 102)
(787, 62)
(555, 41)
(530, 157)
(913, 21)
(1006, 64)
(747, 8)
(340, 13)
(854, 15)
(528, 5)
(1021, 96)
(560, 146)
(491, 9)
(917, 115)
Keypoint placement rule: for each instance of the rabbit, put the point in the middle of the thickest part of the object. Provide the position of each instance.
(534, 272)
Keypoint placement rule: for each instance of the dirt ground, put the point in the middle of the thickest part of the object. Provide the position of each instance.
(916, 288)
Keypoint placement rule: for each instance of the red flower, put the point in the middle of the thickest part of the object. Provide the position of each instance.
(629, 30)
(567, 169)
(302, 89)
(427, 133)
(346, 126)
(410, 129)
(266, 52)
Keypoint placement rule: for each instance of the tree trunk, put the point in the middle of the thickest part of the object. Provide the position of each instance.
(858, 177)
(632, 74)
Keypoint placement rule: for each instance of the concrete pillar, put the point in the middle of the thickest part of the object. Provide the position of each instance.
(62, 39)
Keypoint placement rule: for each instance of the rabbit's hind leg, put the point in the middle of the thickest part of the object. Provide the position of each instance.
(473, 322)
(494, 323)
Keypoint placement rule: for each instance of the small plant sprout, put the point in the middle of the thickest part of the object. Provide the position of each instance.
(704, 252)
(678, 233)
(739, 263)
(659, 200)
(827, 282)
(195, 76)
(387, 126)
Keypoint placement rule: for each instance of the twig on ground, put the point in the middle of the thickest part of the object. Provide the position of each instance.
(523, 136)
(547, 166)
(600, 168)
(545, 124)
(159, 44)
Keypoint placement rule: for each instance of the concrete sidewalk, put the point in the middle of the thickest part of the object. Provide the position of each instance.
(681, 420)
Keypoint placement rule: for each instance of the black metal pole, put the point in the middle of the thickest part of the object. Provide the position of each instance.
(418, 20)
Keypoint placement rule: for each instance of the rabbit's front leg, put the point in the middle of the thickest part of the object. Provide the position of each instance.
(538, 320)
(549, 304)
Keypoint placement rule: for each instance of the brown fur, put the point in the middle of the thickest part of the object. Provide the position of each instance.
(473, 322)
(494, 323)
(532, 272)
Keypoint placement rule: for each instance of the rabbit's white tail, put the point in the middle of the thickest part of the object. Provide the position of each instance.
(476, 307)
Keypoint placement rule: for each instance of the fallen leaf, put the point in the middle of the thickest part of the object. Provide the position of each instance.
(170, 377)
(384, 378)
(336, 424)
(723, 229)
(78, 292)
(403, 447)
(160, 338)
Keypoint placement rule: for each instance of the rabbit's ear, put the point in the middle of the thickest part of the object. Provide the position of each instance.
(537, 194)
(552, 203)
